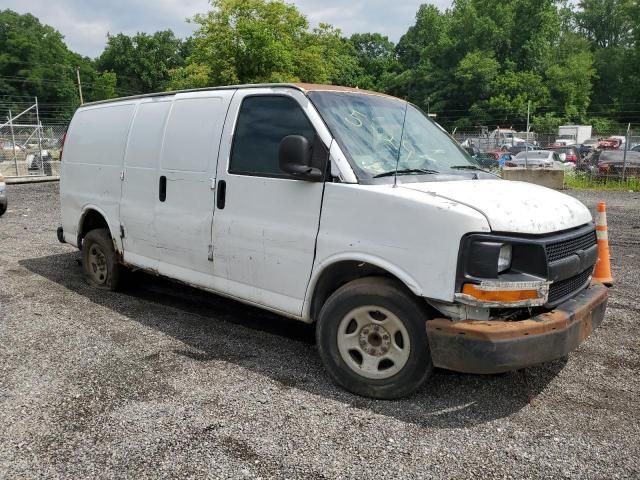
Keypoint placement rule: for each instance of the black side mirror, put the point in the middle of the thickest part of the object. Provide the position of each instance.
(294, 156)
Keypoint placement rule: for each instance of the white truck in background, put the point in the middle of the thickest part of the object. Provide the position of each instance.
(573, 134)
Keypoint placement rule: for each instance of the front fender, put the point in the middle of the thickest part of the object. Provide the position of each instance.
(352, 256)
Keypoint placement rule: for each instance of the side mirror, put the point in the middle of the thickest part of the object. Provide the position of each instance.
(563, 157)
(294, 156)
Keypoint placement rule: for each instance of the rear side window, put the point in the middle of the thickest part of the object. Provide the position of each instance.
(263, 122)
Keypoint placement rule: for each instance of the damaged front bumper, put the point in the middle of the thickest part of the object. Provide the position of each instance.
(493, 346)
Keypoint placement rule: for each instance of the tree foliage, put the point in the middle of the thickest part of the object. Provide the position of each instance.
(480, 62)
(257, 41)
(35, 62)
(142, 62)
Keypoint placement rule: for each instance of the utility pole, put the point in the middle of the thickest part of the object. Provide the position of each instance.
(39, 128)
(626, 147)
(528, 113)
(13, 142)
(79, 86)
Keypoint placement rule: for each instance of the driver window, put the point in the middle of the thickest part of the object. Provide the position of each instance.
(262, 123)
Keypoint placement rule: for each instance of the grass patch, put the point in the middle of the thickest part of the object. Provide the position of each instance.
(584, 181)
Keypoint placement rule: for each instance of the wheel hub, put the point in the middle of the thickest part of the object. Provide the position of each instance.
(375, 340)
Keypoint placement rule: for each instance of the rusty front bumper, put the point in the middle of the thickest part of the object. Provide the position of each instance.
(475, 346)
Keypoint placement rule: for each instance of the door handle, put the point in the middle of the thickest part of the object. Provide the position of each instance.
(162, 195)
(221, 194)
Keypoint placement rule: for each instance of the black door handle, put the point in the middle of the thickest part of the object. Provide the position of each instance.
(221, 194)
(162, 195)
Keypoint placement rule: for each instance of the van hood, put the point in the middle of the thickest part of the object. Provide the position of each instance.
(509, 206)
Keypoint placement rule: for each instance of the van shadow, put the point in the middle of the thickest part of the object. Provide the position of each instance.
(215, 328)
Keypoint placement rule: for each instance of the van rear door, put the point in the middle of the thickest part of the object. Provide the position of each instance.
(185, 181)
(266, 222)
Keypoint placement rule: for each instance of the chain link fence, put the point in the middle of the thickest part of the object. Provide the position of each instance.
(27, 146)
(584, 162)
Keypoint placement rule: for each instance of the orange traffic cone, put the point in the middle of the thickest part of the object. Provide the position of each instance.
(603, 265)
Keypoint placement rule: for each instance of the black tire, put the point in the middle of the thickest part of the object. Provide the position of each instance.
(99, 262)
(3, 208)
(390, 295)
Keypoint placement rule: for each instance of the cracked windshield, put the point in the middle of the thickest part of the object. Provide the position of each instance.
(370, 129)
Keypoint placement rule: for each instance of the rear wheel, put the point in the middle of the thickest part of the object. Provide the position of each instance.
(99, 263)
(3, 208)
(372, 338)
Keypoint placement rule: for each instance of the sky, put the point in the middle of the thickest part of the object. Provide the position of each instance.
(85, 23)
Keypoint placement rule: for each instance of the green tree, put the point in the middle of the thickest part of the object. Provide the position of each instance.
(35, 62)
(258, 41)
(464, 61)
(142, 62)
(570, 79)
(474, 75)
(376, 57)
(513, 92)
(607, 23)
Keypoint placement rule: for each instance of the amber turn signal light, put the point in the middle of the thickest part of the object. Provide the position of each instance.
(499, 295)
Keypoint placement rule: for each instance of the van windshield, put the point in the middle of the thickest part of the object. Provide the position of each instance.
(372, 130)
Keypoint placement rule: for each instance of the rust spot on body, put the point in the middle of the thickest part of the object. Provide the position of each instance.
(556, 320)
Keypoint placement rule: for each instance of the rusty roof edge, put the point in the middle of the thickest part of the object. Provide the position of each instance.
(303, 87)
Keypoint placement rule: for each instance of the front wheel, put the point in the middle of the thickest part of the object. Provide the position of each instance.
(372, 338)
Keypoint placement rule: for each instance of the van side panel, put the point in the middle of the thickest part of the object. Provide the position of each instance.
(93, 159)
(140, 184)
(182, 221)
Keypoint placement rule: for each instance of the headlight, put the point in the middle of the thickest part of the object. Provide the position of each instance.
(504, 258)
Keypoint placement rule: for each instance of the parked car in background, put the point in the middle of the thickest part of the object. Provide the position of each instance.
(584, 150)
(571, 153)
(610, 163)
(610, 143)
(636, 148)
(534, 159)
(521, 147)
(3, 195)
(8, 145)
(501, 157)
(590, 143)
(484, 160)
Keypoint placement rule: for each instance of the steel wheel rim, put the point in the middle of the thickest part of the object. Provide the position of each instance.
(97, 264)
(373, 342)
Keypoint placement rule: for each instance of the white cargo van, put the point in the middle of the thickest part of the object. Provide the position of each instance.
(340, 207)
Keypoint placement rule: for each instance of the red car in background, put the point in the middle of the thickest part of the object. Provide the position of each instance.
(609, 143)
(571, 152)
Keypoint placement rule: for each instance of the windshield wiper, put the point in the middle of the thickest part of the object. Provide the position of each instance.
(406, 171)
(468, 167)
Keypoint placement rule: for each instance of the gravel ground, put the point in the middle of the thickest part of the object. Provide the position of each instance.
(167, 381)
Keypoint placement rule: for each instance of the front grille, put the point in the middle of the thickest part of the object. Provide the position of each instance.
(566, 248)
(561, 289)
